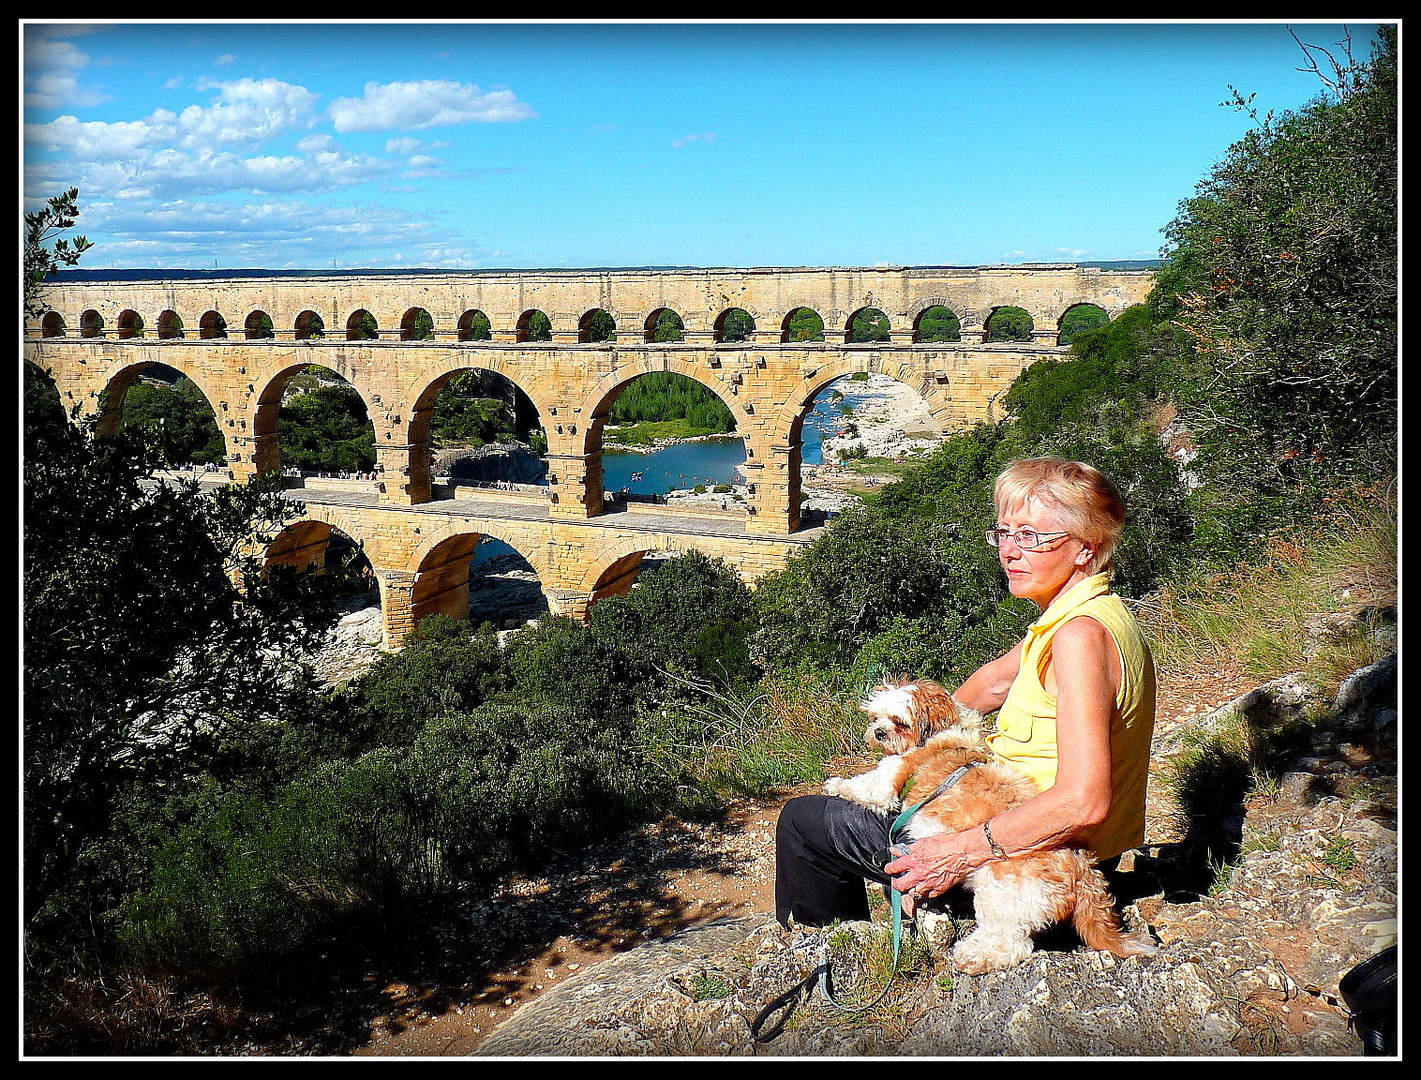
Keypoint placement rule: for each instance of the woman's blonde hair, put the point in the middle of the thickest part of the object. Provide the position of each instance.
(1085, 500)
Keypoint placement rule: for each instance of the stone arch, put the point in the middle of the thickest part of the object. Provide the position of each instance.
(170, 325)
(475, 325)
(211, 325)
(856, 325)
(787, 422)
(534, 325)
(936, 321)
(258, 326)
(269, 387)
(301, 544)
(52, 324)
(361, 326)
(664, 325)
(120, 377)
(996, 323)
(598, 401)
(802, 323)
(91, 324)
(130, 324)
(615, 568)
(417, 325)
(422, 397)
(441, 579)
(332, 520)
(1078, 318)
(733, 325)
(309, 325)
(596, 325)
(439, 569)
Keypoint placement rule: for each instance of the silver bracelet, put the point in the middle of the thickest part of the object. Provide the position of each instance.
(997, 851)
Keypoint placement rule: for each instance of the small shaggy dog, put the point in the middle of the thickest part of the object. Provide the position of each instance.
(929, 738)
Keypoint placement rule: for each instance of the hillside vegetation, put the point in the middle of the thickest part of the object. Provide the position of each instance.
(199, 816)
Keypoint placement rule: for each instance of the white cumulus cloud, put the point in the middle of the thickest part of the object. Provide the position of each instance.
(425, 104)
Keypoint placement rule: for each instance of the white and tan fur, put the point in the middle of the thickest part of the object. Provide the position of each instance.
(928, 736)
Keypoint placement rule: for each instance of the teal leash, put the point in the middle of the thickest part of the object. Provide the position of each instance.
(783, 1006)
(895, 899)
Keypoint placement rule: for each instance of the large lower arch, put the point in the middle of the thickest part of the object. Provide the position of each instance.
(120, 376)
(424, 393)
(597, 405)
(270, 387)
(615, 569)
(787, 425)
(439, 571)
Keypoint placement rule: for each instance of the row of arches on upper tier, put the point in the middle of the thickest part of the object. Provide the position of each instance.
(934, 323)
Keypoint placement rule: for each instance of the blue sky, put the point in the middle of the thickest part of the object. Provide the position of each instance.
(473, 145)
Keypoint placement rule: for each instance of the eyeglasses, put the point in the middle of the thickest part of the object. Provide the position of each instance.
(1026, 539)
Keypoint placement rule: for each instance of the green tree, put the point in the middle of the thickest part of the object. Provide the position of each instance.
(667, 395)
(939, 324)
(1009, 324)
(174, 421)
(736, 325)
(870, 324)
(46, 251)
(668, 327)
(1281, 277)
(327, 428)
(150, 631)
(690, 616)
(805, 325)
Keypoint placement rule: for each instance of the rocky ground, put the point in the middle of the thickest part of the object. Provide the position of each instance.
(662, 942)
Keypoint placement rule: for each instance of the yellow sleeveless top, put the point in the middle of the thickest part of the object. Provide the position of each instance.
(1026, 722)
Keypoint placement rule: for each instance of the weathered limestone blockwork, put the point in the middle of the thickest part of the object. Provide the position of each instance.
(92, 343)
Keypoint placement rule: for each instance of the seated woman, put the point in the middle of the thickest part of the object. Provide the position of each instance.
(1076, 698)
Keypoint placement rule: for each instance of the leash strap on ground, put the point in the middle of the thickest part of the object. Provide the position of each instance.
(823, 974)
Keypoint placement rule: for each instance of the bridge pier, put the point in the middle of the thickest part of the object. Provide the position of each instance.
(396, 605)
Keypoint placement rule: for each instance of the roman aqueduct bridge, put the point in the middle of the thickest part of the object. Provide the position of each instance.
(241, 339)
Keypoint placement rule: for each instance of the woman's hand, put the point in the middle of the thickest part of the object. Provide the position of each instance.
(931, 866)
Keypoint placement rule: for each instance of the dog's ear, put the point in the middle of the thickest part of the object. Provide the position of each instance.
(938, 711)
(934, 709)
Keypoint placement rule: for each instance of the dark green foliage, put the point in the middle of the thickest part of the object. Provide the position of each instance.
(736, 325)
(1282, 278)
(691, 616)
(140, 652)
(538, 327)
(45, 250)
(1112, 365)
(472, 410)
(665, 395)
(804, 325)
(446, 666)
(939, 324)
(327, 429)
(175, 422)
(598, 325)
(1009, 324)
(1079, 319)
(668, 327)
(870, 324)
(870, 570)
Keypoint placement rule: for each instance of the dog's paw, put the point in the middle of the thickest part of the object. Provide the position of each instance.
(976, 956)
(835, 786)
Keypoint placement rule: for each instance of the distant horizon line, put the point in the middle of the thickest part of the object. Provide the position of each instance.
(81, 273)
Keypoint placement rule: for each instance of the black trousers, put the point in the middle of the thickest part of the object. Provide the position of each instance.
(824, 849)
(826, 846)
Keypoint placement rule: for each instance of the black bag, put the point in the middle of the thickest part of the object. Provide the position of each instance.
(1370, 992)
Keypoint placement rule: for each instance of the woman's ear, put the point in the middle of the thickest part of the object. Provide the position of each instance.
(1084, 556)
